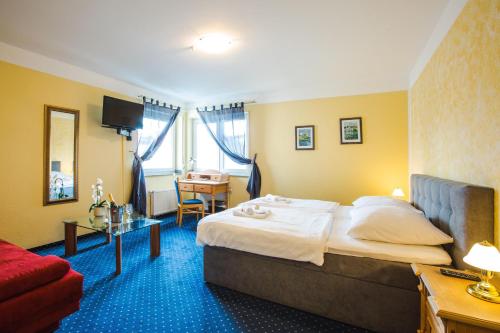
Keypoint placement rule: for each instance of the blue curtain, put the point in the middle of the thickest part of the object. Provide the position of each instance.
(233, 145)
(159, 112)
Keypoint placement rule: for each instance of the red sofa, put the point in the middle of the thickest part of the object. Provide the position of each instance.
(35, 292)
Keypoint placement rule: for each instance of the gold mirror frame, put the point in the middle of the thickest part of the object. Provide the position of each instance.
(47, 163)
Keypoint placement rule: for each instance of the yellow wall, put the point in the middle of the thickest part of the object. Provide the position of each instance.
(23, 93)
(332, 171)
(455, 103)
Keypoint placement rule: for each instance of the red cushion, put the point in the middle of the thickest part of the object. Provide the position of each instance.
(21, 270)
(42, 307)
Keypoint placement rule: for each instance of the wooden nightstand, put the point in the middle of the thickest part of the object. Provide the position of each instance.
(446, 307)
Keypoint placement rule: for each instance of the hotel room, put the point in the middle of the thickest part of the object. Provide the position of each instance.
(265, 166)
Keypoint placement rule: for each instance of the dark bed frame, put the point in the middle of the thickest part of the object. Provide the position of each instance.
(374, 294)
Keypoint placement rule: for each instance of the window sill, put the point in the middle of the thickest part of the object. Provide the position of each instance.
(158, 172)
(239, 175)
(232, 173)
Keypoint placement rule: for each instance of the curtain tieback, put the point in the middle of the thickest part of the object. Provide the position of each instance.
(254, 158)
(138, 158)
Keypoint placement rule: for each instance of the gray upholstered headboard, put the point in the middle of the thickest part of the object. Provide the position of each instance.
(461, 210)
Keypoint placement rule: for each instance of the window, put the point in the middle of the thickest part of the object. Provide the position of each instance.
(205, 150)
(163, 161)
(207, 155)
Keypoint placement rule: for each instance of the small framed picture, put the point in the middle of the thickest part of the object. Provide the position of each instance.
(350, 130)
(304, 137)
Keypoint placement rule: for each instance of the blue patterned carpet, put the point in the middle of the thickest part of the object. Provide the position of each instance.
(168, 294)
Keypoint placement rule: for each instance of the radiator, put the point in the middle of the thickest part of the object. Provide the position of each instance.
(162, 202)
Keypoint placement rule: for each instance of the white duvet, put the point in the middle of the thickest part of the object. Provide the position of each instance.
(288, 232)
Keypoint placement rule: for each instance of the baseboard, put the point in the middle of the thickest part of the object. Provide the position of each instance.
(61, 242)
(162, 216)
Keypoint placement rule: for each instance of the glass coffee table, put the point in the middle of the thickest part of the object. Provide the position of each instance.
(102, 224)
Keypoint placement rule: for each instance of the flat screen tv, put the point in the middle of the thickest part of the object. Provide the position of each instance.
(117, 113)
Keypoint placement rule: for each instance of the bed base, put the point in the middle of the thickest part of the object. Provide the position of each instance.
(359, 297)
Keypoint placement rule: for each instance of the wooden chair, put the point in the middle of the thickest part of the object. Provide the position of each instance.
(187, 206)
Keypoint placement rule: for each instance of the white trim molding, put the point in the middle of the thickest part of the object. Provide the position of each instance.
(448, 17)
(38, 62)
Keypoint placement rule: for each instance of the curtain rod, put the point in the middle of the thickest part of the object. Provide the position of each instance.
(222, 106)
(144, 98)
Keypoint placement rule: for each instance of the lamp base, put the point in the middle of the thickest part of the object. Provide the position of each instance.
(485, 291)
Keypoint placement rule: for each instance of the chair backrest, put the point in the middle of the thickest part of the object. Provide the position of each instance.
(177, 192)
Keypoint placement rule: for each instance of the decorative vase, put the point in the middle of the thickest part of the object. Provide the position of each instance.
(99, 211)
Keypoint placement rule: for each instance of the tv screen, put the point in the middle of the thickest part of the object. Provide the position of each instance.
(118, 113)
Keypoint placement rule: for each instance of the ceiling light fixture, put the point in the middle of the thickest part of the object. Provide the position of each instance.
(213, 43)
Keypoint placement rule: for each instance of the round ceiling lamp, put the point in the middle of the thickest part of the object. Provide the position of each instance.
(213, 43)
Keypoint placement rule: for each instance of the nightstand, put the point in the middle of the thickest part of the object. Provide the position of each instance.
(446, 307)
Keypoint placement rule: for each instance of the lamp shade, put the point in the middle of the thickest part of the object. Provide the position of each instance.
(484, 256)
(398, 192)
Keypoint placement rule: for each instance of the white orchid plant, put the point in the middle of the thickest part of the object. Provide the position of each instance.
(97, 194)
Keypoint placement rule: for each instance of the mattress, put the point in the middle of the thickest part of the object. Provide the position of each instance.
(339, 242)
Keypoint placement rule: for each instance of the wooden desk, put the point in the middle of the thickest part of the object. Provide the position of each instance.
(447, 307)
(206, 187)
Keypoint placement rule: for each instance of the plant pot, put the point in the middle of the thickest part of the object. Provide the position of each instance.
(99, 211)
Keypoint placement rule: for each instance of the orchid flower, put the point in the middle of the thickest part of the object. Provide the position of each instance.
(97, 194)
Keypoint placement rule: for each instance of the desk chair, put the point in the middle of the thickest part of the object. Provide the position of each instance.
(187, 206)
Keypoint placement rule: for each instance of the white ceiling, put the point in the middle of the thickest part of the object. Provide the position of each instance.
(284, 49)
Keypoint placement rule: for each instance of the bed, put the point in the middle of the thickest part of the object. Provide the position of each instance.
(376, 294)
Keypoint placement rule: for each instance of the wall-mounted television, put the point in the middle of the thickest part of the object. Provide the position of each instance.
(120, 114)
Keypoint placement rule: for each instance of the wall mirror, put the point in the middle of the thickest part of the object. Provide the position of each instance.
(60, 183)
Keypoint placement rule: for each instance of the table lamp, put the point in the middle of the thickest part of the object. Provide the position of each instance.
(398, 193)
(486, 257)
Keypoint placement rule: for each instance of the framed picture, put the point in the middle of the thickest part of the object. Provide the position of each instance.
(350, 130)
(304, 137)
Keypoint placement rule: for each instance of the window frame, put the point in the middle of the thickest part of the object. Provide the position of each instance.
(148, 172)
(244, 172)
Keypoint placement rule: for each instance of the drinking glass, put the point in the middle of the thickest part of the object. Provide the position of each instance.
(129, 209)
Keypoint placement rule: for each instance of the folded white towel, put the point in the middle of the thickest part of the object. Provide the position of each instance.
(253, 212)
(276, 198)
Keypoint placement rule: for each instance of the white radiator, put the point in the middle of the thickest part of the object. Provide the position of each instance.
(162, 202)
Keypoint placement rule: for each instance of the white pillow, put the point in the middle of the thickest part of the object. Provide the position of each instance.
(381, 201)
(397, 225)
